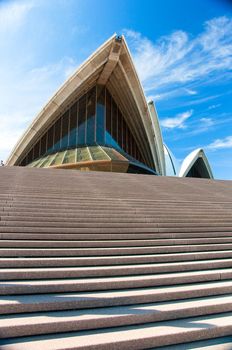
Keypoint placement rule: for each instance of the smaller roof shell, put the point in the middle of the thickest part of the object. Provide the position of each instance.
(191, 159)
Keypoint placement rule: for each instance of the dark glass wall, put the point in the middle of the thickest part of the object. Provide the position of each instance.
(95, 119)
(199, 170)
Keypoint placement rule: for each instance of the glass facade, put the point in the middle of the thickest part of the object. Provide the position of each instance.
(199, 170)
(95, 119)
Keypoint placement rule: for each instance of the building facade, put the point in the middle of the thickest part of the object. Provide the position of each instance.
(100, 120)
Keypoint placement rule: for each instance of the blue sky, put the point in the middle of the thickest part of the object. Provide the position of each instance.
(182, 50)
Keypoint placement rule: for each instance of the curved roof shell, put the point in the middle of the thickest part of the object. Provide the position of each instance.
(110, 65)
(190, 161)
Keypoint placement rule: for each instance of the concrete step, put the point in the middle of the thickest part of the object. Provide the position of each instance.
(26, 193)
(152, 335)
(75, 320)
(120, 270)
(49, 220)
(55, 252)
(102, 203)
(118, 224)
(174, 237)
(111, 199)
(112, 260)
(104, 283)
(116, 205)
(22, 243)
(156, 237)
(83, 300)
(124, 214)
(89, 198)
(110, 230)
(222, 343)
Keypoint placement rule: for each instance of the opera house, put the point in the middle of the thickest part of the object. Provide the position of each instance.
(100, 120)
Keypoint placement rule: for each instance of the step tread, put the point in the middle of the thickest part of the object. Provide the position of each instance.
(222, 343)
(119, 249)
(116, 281)
(109, 260)
(156, 276)
(58, 321)
(40, 302)
(145, 336)
(83, 271)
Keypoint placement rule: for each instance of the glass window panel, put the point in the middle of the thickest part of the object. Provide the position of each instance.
(100, 132)
(124, 134)
(82, 120)
(97, 153)
(37, 150)
(57, 135)
(30, 156)
(73, 126)
(50, 139)
(53, 158)
(70, 156)
(133, 147)
(43, 147)
(129, 141)
(34, 163)
(83, 154)
(114, 120)
(108, 112)
(58, 159)
(47, 161)
(43, 161)
(114, 155)
(119, 128)
(91, 111)
(23, 162)
(65, 127)
(38, 162)
(135, 154)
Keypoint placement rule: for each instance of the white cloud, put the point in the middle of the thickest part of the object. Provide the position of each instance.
(178, 60)
(13, 14)
(214, 106)
(206, 123)
(191, 92)
(220, 144)
(176, 122)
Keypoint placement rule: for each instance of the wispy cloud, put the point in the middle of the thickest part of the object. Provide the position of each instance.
(13, 13)
(191, 92)
(177, 121)
(178, 59)
(214, 106)
(206, 122)
(220, 144)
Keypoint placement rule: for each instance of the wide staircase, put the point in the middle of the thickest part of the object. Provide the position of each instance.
(114, 261)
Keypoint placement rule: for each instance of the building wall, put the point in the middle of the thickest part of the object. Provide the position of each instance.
(94, 119)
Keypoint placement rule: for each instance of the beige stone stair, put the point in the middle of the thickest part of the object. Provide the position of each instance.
(114, 261)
